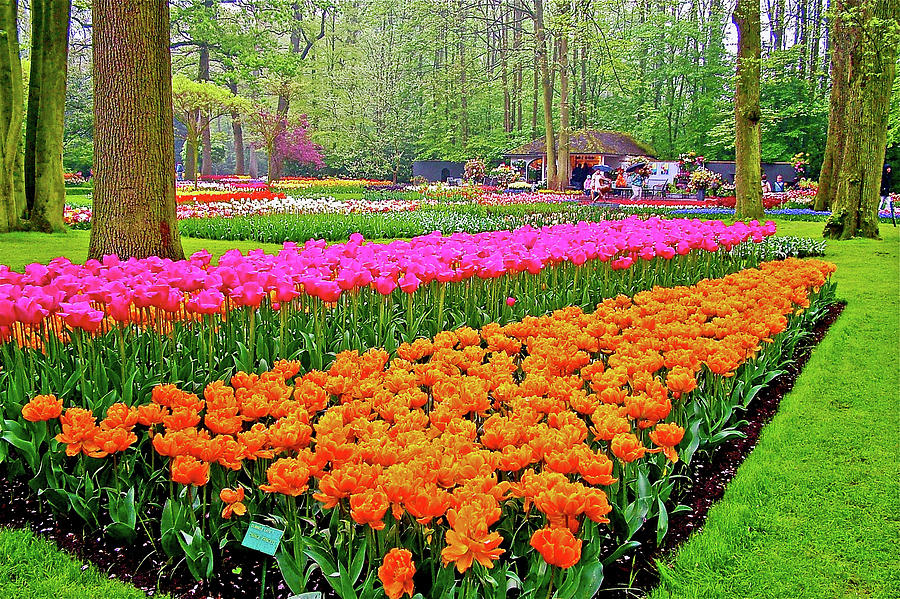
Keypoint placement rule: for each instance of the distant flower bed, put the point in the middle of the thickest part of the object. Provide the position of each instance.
(206, 197)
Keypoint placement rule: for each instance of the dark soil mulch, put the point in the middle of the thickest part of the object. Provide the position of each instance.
(238, 572)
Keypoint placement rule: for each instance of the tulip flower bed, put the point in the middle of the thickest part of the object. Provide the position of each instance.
(206, 197)
(278, 228)
(232, 203)
(525, 455)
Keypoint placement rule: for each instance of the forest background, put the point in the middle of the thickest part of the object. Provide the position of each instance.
(386, 82)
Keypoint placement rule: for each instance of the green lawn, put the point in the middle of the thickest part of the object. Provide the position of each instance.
(19, 249)
(33, 568)
(813, 512)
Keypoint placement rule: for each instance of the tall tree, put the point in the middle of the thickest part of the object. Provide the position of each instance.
(12, 201)
(197, 103)
(747, 114)
(134, 153)
(540, 36)
(874, 36)
(45, 187)
(837, 132)
(237, 129)
(563, 162)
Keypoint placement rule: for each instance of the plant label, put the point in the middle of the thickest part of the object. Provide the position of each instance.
(262, 538)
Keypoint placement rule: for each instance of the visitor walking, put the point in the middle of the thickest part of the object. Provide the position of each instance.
(179, 171)
(597, 185)
(766, 186)
(886, 184)
(637, 185)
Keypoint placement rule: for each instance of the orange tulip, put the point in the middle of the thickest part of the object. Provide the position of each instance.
(151, 414)
(596, 468)
(368, 507)
(42, 408)
(667, 436)
(558, 546)
(233, 500)
(680, 380)
(79, 430)
(627, 447)
(396, 573)
(468, 540)
(288, 476)
(188, 470)
(119, 415)
(114, 440)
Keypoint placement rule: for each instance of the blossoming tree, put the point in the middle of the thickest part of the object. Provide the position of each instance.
(197, 104)
(283, 139)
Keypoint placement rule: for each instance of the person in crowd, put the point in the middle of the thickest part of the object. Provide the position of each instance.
(579, 174)
(778, 187)
(637, 185)
(179, 171)
(886, 185)
(620, 179)
(766, 186)
(596, 185)
(587, 186)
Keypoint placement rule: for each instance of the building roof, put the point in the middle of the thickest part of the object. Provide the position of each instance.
(591, 141)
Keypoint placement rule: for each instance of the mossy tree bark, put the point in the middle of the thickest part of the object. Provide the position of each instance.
(46, 152)
(34, 97)
(873, 37)
(12, 104)
(562, 160)
(134, 156)
(747, 143)
(206, 140)
(546, 90)
(837, 131)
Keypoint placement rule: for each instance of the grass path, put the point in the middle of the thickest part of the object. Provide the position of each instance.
(19, 249)
(814, 512)
(33, 568)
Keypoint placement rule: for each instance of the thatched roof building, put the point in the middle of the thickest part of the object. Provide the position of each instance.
(587, 147)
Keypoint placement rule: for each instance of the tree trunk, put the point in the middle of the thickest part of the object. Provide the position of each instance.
(38, 8)
(583, 104)
(747, 143)
(546, 90)
(508, 114)
(837, 132)
(134, 156)
(872, 59)
(19, 179)
(11, 116)
(463, 88)
(190, 161)
(534, 96)
(49, 184)
(238, 130)
(563, 163)
(205, 140)
(253, 167)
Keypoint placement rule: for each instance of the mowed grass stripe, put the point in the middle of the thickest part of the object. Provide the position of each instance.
(815, 510)
(33, 568)
(19, 249)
